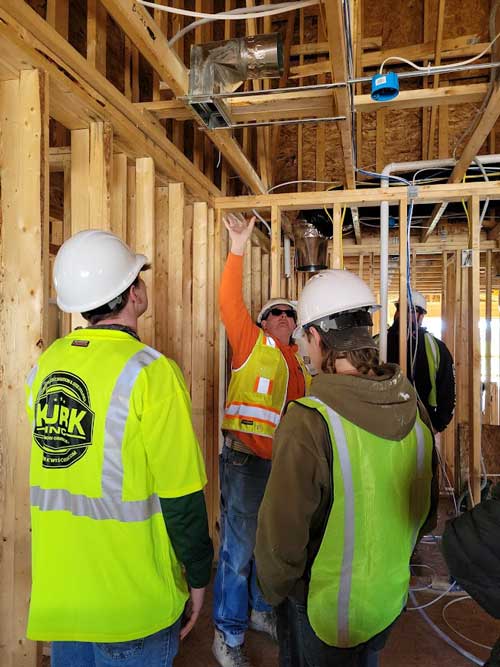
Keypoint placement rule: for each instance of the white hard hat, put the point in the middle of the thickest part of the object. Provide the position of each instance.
(274, 302)
(418, 300)
(92, 268)
(333, 291)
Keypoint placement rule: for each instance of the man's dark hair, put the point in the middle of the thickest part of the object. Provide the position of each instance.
(118, 304)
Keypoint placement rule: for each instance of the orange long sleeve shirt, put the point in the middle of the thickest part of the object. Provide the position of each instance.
(242, 333)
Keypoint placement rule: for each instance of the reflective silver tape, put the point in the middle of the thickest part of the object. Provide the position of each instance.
(348, 554)
(29, 381)
(110, 505)
(94, 508)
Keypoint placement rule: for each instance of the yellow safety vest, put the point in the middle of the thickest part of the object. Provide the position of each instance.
(433, 360)
(257, 391)
(112, 434)
(382, 489)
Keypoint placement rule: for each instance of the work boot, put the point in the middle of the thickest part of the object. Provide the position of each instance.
(228, 656)
(264, 621)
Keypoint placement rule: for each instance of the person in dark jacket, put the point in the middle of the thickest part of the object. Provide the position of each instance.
(429, 363)
(470, 547)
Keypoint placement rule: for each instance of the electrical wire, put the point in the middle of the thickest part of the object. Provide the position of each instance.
(467, 639)
(429, 604)
(264, 222)
(438, 68)
(226, 16)
(445, 637)
(213, 17)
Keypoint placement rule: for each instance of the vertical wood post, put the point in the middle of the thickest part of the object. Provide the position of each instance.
(474, 355)
(403, 285)
(145, 239)
(175, 269)
(275, 251)
(24, 279)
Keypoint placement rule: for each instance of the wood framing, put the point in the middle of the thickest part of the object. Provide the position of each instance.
(24, 269)
(145, 239)
(81, 95)
(338, 67)
(141, 28)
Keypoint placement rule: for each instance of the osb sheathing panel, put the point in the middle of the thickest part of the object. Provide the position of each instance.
(397, 23)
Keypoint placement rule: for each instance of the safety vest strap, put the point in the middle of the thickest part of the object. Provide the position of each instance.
(110, 505)
(433, 359)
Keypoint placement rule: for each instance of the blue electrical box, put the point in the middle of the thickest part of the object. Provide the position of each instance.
(385, 87)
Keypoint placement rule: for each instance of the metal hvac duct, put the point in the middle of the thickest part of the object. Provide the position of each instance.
(217, 67)
(311, 231)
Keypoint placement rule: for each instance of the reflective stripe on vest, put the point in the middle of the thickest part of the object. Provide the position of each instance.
(260, 414)
(433, 359)
(346, 585)
(110, 505)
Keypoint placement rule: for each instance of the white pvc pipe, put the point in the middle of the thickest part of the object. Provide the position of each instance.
(389, 169)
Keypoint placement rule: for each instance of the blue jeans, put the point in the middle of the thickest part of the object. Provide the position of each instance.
(158, 650)
(301, 647)
(243, 480)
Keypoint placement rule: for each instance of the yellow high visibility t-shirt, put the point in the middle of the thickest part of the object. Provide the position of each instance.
(112, 433)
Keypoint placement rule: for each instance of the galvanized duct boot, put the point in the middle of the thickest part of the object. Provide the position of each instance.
(311, 246)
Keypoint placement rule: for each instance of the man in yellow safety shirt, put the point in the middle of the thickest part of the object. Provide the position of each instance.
(116, 477)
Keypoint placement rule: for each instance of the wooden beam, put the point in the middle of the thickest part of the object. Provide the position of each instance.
(141, 28)
(483, 126)
(58, 16)
(145, 239)
(80, 95)
(318, 103)
(338, 63)
(292, 201)
(24, 267)
(474, 360)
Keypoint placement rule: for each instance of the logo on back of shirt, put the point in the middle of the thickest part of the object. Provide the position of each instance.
(64, 422)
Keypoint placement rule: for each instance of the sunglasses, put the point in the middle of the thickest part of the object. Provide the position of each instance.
(289, 312)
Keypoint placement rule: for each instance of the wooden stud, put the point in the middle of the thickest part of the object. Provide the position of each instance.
(58, 16)
(119, 196)
(256, 281)
(487, 346)
(437, 62)
(131, 208)
(175, 269)
(247, 277)
(211, 422)
(265, 282)
(96, 35)
(24, 271)
(80, 180)
(200, 320)
(187, 294)
(449, 328)
(65, 318)
(337, 254)
(403, 284)
(145, 239)
(275, 252)
(380, 141)
(443, 137)
(100, 171)
(160, 268)
(474, 356)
